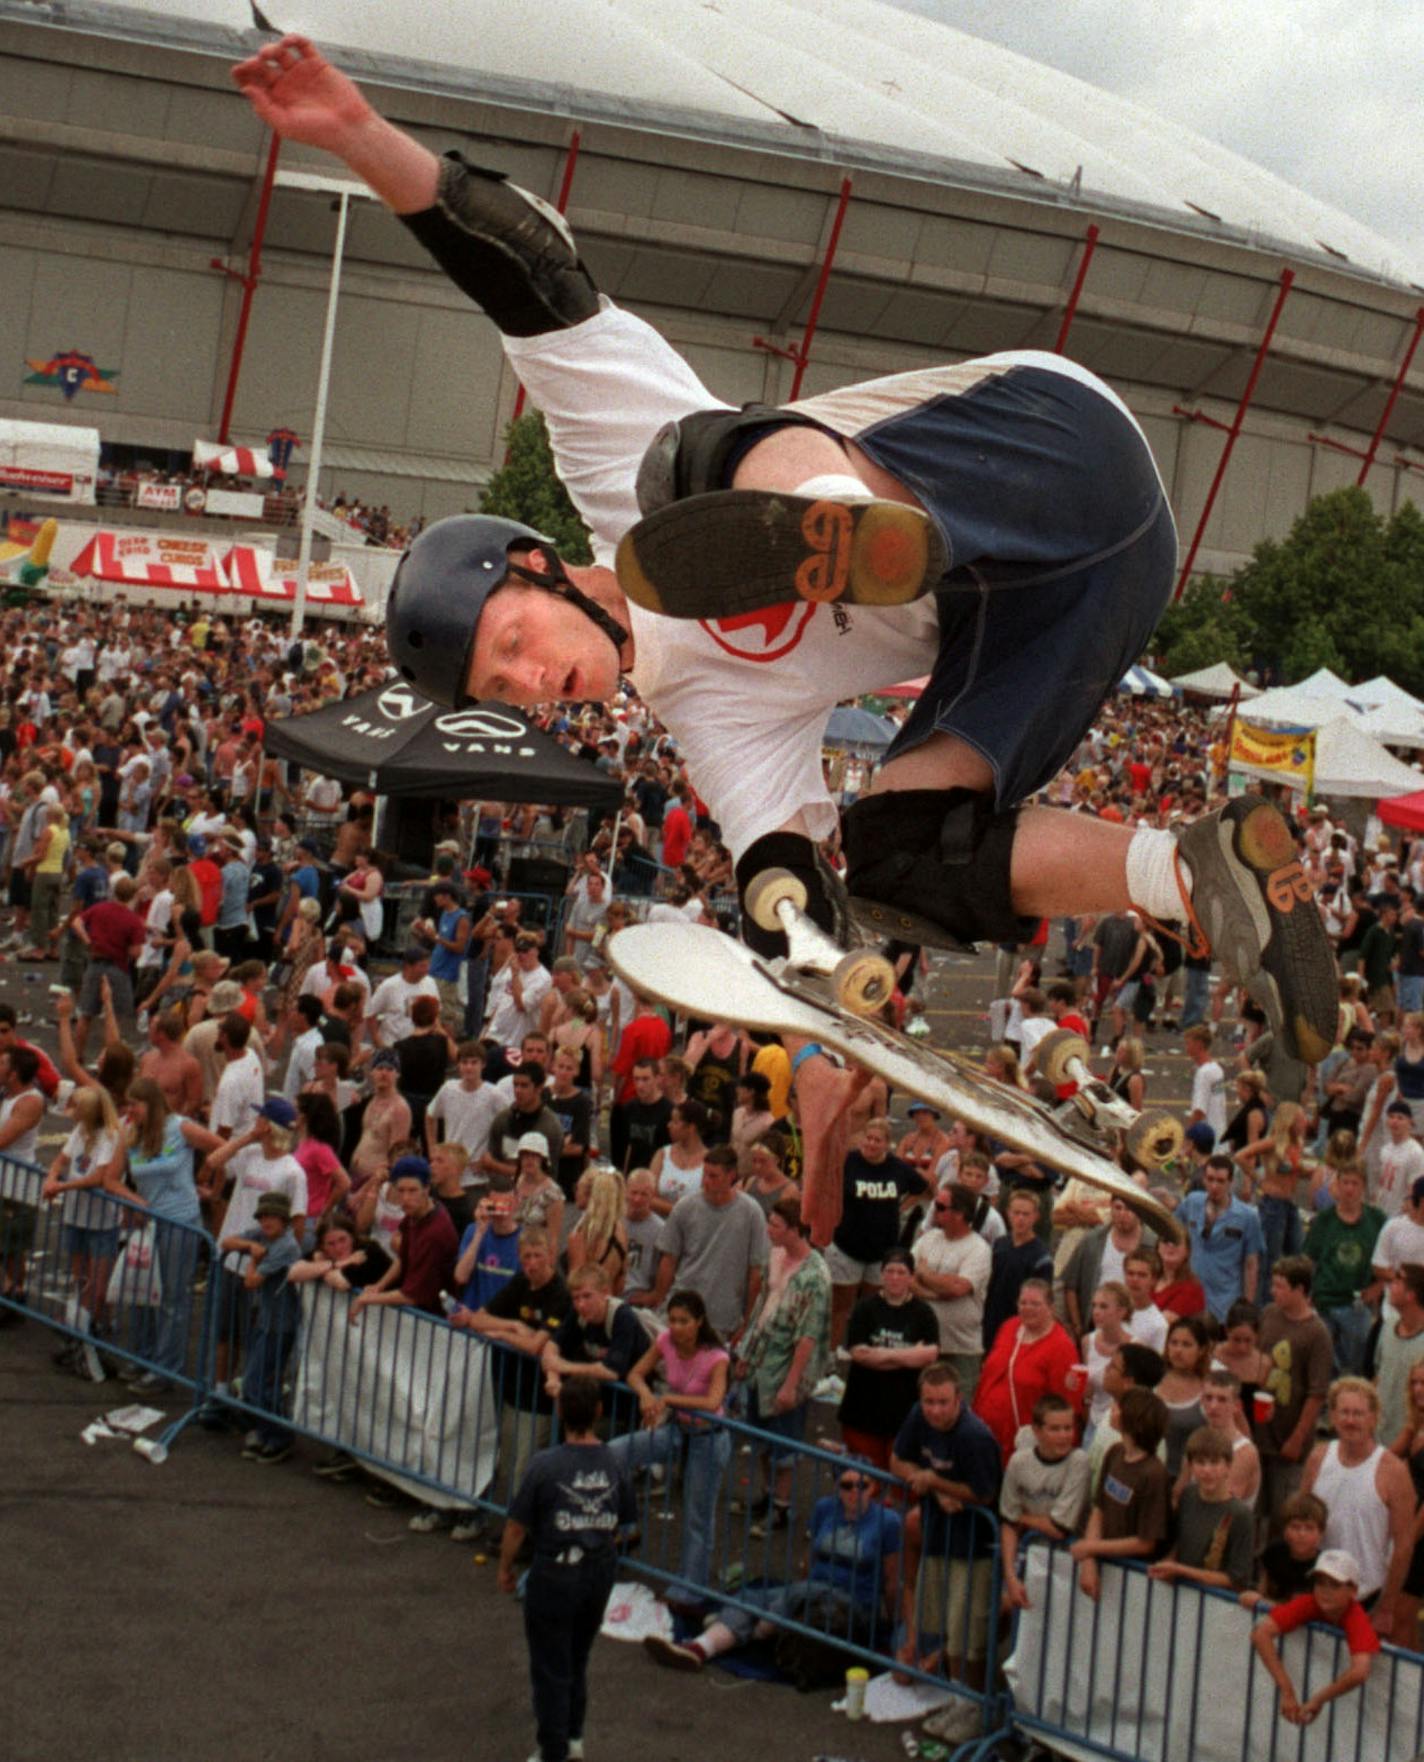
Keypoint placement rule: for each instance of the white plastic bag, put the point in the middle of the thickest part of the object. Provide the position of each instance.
(135, 1281)
(633, 1613)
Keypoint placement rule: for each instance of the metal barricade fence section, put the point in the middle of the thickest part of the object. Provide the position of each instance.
(1160, 1671)
(121, 1283)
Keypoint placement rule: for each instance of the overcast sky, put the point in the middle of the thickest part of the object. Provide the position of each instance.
(1325, 93)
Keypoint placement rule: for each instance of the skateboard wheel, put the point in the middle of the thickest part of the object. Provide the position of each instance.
(1153, 1138)
(1057, 1051)
(863, 982)
(766, 891)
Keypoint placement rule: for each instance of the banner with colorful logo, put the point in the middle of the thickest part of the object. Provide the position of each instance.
(71, 372)
(1284, 752)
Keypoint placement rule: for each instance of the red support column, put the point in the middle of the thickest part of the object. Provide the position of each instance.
(1393, 399)
(803, 354)
(1090, 244)
(799, 354)
(249, 285)
(1287, 280)
(566, 183)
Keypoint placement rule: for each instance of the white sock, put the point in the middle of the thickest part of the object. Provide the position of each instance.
(833, 486)
(1152, 872)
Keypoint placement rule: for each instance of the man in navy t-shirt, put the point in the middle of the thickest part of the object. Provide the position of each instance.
(948, 1458)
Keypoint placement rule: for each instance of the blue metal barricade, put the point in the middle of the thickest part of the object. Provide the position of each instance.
(119, 1283)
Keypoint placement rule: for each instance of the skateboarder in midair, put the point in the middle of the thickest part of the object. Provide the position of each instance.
(999, 525)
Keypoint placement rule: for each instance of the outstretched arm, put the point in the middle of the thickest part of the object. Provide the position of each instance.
(302, 97)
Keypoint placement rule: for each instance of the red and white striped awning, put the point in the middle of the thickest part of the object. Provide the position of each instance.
(230, 461)
(260, 575)
(145, 559)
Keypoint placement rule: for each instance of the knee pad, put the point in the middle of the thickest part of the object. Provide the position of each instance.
(941, 854)
(698, 453)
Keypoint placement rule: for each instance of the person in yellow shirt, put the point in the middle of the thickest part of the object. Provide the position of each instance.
(47, 883)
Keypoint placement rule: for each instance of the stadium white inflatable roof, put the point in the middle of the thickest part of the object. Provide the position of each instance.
(846, 79)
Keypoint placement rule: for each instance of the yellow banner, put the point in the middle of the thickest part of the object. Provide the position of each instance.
(1289, 753)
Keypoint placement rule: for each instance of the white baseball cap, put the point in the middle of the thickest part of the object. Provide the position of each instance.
(1336, 1563)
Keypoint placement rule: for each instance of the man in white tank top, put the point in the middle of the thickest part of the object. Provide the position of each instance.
(1368, 1495)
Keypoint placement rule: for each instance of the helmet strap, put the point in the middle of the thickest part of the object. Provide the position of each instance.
(557, 582)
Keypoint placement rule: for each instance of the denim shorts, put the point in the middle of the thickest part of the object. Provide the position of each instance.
(1063, 554)
(98, 1244)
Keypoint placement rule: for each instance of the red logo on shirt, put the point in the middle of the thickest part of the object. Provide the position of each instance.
(764, 635)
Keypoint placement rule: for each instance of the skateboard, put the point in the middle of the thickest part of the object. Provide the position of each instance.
(821, 992)
(742, 550)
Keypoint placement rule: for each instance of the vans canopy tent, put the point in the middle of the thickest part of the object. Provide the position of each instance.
(400, 744)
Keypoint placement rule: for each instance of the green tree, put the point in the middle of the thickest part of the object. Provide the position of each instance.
(1201, 629)
(527, 488)
(1344, 589)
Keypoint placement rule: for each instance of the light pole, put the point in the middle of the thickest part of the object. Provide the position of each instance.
(343, 190)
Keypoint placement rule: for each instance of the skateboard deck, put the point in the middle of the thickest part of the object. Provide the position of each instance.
(704, 972)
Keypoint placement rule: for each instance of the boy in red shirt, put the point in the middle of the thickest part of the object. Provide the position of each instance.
(1334, 1601)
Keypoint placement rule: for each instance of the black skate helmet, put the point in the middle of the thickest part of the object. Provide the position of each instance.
(439, 592)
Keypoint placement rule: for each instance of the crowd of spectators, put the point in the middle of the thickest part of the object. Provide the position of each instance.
(498, 1128)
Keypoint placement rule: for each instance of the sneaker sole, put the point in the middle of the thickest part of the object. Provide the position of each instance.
(741, 550)
(1284, 960)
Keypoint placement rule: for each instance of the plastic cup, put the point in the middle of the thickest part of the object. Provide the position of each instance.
(151, 1450)
(1076, 1379)
(856, 1681)
(1263, 1407)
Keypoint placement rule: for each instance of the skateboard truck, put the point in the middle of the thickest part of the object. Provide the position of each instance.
(815, 965)
(1151, 1138)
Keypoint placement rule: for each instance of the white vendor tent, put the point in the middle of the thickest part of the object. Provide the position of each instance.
(260, 575)
(49, 460)
(1219, 681)
(1395, 725)
(1143, 682)
(1381, 693)
(1324, 683)
(1291, 706)
(155, 559)
(1348, 763)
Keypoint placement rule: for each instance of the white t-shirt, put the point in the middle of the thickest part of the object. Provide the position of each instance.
(508, 1023)
(253, 1175)
(319, 981)
(1207, 1099)
(85, 1210)
(158, 923)
(961, 1319)
(241, 1091)
(1031, 1030)
(466, 1115)
(1399, 1167)
(301, 1066)
(1148, 1327)
(745, 699)
(1398, 1243)
(390, 1003)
